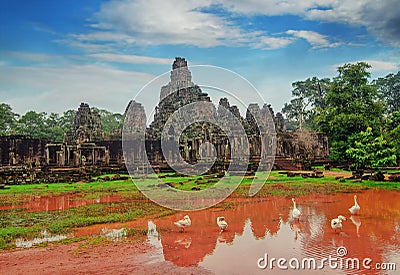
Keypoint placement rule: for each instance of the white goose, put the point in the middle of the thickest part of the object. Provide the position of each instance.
(182, 224)
(222, 223)
(296, 213)
(357, 222)
(355, 208)
(337, 223)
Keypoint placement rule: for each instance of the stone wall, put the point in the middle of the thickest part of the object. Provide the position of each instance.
(22, 150)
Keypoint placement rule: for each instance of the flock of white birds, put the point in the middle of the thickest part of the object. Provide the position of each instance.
(336, 223)
(186, 222)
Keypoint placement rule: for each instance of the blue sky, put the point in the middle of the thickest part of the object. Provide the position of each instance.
(56, 54)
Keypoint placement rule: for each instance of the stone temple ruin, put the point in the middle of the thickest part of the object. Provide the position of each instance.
(87, 148)
(84, 152)
(259, 124)
(84, 144)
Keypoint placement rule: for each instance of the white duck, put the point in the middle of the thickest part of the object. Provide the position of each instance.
(355, 208)
(222, 223)
(182, 224)
(337, 223)
(296, 213)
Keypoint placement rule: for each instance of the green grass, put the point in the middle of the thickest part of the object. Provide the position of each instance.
(18, 224)
(15, 194)
(10, 233)
(188, 183)
(30, 224)
(70, 188)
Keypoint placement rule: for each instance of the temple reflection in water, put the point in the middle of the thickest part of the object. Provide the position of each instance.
(264, 226)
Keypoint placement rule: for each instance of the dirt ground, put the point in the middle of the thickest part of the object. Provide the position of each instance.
(122, 257)
(344, 174)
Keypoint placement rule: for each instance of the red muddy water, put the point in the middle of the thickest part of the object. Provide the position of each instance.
(57, 202)
(257, 228)
(264, 226)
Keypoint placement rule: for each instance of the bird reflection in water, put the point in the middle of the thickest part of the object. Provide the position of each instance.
(357, 222)
(185, 242)
(296, 227)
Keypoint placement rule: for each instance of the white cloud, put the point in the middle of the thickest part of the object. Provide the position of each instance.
(382, 66)
(273, 7)
(132, 59)
(130, 23)
(156, 22)
(54, 89)
(34, 57)
(377, 66)
(275, 42)
(315, 39)
(127, 23)
(380, 18)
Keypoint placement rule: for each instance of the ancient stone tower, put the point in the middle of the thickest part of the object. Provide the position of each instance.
(86, 127)
(258, 123)
(180, 78)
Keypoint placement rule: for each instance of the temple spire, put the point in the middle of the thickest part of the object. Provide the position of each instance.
(180, 78)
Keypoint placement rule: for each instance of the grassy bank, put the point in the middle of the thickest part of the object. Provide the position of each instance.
(16, 222)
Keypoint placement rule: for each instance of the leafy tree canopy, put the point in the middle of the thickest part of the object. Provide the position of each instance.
(368, 151)
(52, 126)
(7, 119)
(308, 98)
(352, 105)
(111, 122)
(32, 123)
(389, 91)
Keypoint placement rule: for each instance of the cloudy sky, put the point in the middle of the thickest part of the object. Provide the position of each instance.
(56, 54)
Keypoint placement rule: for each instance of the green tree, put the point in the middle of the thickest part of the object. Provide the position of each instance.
(352, 105)
(66, 121)
(8, 119)
(55, 132)
(111, 122)
(296, 112)
(367, 151)
(389, 91)
(32, 123)
(308, 98)
(393, 131)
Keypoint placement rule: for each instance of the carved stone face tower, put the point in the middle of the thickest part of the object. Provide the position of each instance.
(180, 78)
(179, 92)
(86, 127)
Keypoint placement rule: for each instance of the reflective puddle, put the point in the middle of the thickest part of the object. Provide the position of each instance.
(260, 230)
(57, 202)
(46, 237)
